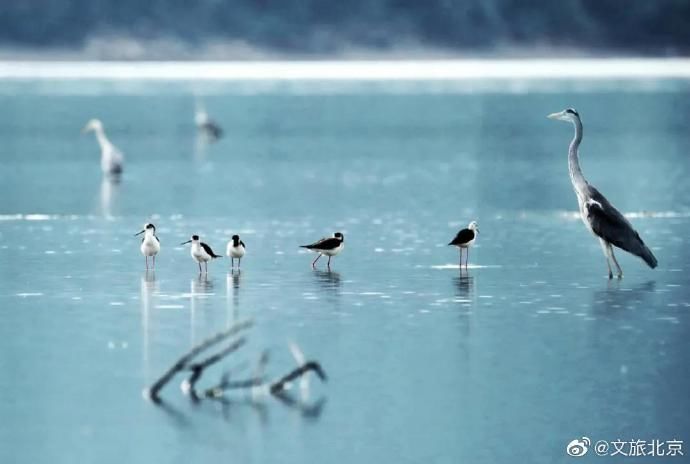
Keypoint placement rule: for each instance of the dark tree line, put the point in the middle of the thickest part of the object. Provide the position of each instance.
(323, 27)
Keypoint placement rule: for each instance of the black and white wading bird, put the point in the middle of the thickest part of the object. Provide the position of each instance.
(200, 252)
(600, 217)
(150, 245)
(464, 240)
(235, 250)
(112, 159)
(327, 246)
(204, 124)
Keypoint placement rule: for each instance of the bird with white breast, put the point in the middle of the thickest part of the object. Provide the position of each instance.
(200, 252)
(150, 245)
(235, 251)
(327, 247)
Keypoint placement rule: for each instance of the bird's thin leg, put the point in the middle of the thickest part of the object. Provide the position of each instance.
(200, 271)
(615, 261)
(605, 248)
(467, 257)
(460, 257)
(147, 262)
(232, 262)
(206, 265)
(329, 262)
(154, 261)
(239, 262)
(313, 264)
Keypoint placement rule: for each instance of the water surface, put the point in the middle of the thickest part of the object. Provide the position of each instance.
(508, 361)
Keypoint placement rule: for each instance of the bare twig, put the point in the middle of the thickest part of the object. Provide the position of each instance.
(278, 386)
(189, 385)
(226, 384)
(183, 363)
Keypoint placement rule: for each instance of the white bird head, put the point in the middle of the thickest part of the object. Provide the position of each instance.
(569, 115)
(147, 226)
(473, 226)
(93, 125)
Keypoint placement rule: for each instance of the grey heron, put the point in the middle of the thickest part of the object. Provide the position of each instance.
(111, 158)
(598, 214)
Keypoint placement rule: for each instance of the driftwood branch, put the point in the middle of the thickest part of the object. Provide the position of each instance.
(184, 362)
(279, 386)
(189, 385)
(226, 384)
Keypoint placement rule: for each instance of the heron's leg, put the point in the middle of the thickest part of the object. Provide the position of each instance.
(313, 264)
(615, 261)
(605, 249)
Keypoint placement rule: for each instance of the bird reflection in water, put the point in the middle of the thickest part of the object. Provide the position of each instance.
(328, 280)
(464, 285)
(615, 297)
(200, 289)
(109, 189)
(328, 284)
(149, 287)
(232, 282)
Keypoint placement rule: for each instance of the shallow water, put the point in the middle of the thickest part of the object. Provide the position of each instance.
(508, 361)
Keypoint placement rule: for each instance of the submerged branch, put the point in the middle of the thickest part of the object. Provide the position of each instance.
(225, 384)
(189, 385)
(279, 386)
(184, 362)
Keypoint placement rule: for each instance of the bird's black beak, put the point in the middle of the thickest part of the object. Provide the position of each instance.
(139, 233)
(184, 243)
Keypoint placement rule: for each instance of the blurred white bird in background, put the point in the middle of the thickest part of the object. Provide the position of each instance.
(112, 160)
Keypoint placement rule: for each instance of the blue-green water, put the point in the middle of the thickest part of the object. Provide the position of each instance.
(530, 348)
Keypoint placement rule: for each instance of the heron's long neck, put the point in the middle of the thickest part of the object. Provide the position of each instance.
(576, 176)
(102, 139)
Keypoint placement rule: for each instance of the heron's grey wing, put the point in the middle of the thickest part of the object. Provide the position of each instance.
(608, 223)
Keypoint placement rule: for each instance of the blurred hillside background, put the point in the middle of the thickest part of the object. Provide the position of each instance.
(259, 29)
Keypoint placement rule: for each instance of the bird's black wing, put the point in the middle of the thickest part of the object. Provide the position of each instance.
(608, 223)
(324, 244)
(242, 243)
(157, 239)
(464, 236)
(208, 250)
